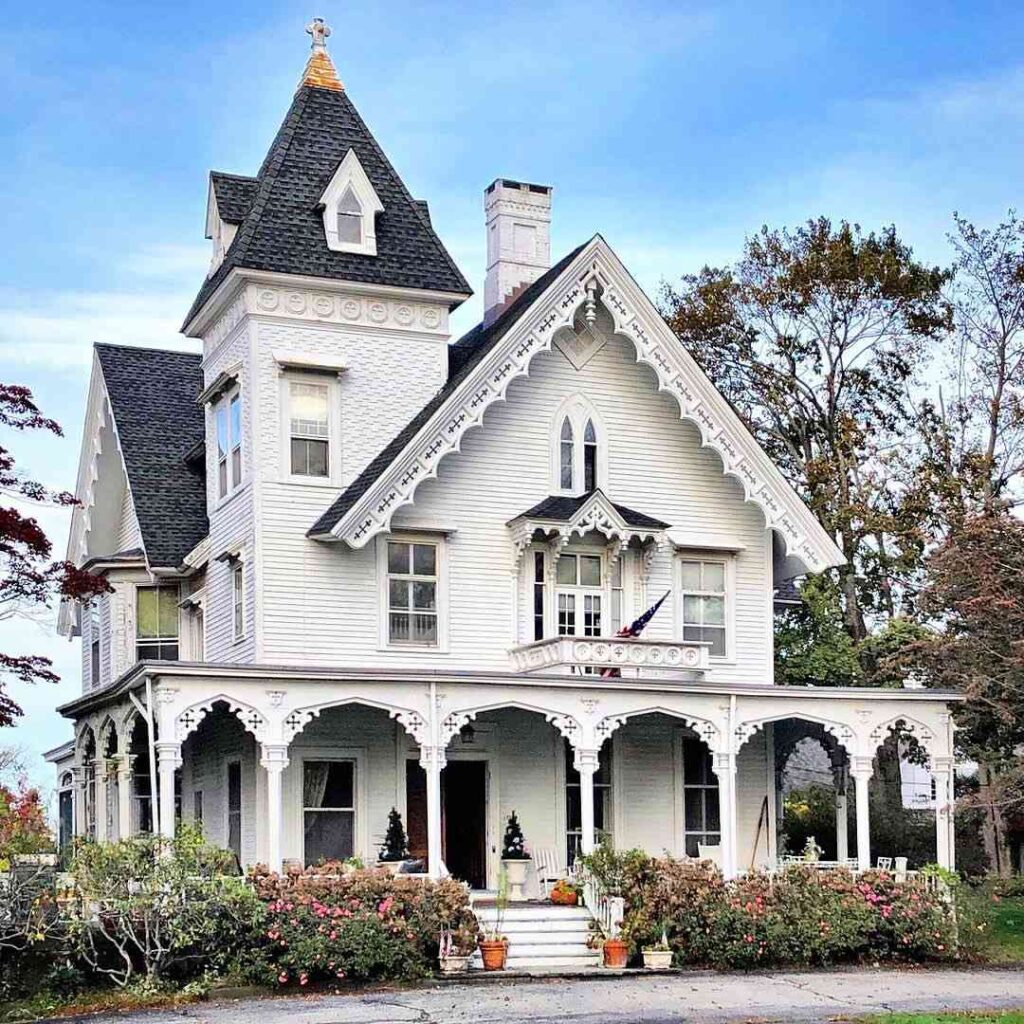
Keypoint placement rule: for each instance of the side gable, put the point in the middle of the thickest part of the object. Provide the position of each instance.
(491, 358)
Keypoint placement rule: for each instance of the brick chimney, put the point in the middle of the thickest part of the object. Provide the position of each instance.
(518, 240)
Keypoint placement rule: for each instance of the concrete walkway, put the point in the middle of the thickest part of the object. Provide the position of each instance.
(706, 997)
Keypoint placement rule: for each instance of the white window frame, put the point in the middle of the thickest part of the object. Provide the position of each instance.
(729, 564)
(238, 602)
(233, 473)
(440, 542)
(329, 379)
(140, 641)
(358, 798)
(95, 648)
(241, 805)
(578, 411)
(681, 737)
(350, 175)
(581, 592)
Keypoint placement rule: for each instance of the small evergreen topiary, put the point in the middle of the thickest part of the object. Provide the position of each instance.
(514, 845)
(395, 846)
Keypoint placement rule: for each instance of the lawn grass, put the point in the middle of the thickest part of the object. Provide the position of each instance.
(996, 1017)
(1007, 937)
(45, 1004)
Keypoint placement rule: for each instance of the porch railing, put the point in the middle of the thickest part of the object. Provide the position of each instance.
(607, 910)
(629, 656)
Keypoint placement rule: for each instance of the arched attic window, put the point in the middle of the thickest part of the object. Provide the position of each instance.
(589, 457)
(350, 219)
(566, 451)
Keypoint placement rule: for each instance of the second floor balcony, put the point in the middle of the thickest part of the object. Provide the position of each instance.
(631, 657)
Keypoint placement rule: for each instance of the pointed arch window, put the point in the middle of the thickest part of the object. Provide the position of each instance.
(589, 457)
(350, 219)
(566, 450)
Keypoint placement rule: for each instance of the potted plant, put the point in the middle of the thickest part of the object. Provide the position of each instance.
(395, 848)
(451, 954)
(658, 956)
(812, 851)
(493, 944)
(565, 893)
(615, 951)
(514, 858)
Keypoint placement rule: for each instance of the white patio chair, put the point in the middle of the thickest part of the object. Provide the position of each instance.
(711, 853)
(900, 868)
(549, 871)
(884, 864)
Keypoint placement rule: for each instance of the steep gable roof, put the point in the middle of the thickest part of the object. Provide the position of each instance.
(465, 354)
(561, 508)
(234, 194)
(283, 229)
(152, 394)
(490, 358)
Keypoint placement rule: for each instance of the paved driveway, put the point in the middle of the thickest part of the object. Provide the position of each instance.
(705, 997)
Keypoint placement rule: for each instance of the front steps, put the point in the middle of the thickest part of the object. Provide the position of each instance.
(540, 935)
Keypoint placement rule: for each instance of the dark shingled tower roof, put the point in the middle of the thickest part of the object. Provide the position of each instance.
(153, 398)
(281, 223)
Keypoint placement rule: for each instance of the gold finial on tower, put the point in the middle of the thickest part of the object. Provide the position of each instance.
(320, 71)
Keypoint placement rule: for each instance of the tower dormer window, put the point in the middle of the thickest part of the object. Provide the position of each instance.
(350, 207)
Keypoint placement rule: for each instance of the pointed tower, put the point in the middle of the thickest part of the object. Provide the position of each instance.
(324, 321)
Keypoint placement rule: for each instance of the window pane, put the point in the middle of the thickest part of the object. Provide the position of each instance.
(398, 558)
(565, 471)
(714, 611)
(424, 629)
(711, 816)
(424, 560)
(590, 571)
(423, 596)
(714, 577)
(566, 430)
(591, 615)
(236, 466)
(222, 431)
(567, 570)
(222, 477)
(329, 835)
(398, 593)
(691, 575)
(589, 467)
(349, 203)
(694, 763)
(350, 228)
(691, 609)
(147, 612)
(566, 615)
(236, 420)
(339, 786)
(694, 813)
(308, 409)
(717, 638)
(398, 627)
(589, 434)
(168, 599)
(617, 573)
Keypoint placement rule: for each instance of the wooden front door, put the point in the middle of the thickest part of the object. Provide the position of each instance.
(464, 814)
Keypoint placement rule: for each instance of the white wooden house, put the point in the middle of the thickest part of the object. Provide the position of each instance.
(356, 565)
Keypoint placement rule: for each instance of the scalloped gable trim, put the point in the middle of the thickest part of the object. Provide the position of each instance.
(635, 318)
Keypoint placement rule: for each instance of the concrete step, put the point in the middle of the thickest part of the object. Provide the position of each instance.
(536, 912)
(519, 963)
(540, 948)
(573, 925)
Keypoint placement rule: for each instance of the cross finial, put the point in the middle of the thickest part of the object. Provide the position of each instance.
(319, 30)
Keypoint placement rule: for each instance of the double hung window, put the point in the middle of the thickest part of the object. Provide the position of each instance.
(704, 604)
(328, 810)
(228, 417)
(412, 593)
(701, 819)
(156, 623)
(309, 433)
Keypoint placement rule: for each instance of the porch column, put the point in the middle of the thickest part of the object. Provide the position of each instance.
(724, 764)
(78, 799)
(862, 770)
(586, 762)
(432, 760)
(168, 760)
(274, 759)
(942, 772)
(100, 767)
(124, 795)
(842, 782)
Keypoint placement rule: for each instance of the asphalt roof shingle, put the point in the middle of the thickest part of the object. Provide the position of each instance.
(283, 228)
(234, 194)
(153, 398)
(560, 508)
(462, 357)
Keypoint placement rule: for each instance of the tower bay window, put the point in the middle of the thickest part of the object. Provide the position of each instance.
(229, 444)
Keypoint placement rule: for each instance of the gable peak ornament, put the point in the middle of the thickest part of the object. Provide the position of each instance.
(320, 73)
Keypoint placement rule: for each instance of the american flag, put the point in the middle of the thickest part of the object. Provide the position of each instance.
(634, 629)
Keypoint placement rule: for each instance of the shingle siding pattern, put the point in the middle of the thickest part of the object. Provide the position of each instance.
(153, 397)
(284, 231)
(235, 193)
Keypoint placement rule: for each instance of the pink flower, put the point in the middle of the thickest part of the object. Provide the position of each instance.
(283, 977)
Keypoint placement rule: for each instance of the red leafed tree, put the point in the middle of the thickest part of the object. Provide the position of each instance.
(29, 577)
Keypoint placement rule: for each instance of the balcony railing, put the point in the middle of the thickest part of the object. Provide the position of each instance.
(571, 652)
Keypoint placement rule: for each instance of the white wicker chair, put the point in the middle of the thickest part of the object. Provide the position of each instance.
(548, 868)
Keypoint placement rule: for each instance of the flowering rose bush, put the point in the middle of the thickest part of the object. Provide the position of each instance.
(326, 924)
(799, 916)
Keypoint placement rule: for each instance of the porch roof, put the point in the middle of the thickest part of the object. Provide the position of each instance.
(564, 508)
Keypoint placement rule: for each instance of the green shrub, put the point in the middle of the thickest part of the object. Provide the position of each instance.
(330, 923)
(797, 917)
(157, 909)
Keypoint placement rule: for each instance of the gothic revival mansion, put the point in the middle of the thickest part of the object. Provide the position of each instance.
(357, 564)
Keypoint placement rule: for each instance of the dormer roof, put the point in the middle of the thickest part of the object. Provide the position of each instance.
(234, 194)
(282, 226)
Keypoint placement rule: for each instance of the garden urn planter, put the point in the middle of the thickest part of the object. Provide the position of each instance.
(454, 964)
(516, 871)
(616, 953)
(657, 959)
(493, 952)
(390, 866)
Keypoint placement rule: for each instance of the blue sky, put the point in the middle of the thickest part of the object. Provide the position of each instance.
(674, 129)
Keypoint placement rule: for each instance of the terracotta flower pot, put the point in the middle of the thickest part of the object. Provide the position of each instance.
(493, 952)
(564, 897)
(616, 953)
